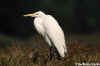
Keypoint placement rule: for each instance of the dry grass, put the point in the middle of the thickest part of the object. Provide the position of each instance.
(23, 55)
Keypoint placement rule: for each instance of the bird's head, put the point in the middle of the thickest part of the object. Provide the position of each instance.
(36, 14)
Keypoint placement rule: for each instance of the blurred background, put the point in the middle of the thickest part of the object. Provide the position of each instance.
(80, 19)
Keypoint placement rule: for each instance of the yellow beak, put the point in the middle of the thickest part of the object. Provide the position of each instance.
(29, 15)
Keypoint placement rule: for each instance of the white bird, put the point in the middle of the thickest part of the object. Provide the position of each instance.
(48, 27)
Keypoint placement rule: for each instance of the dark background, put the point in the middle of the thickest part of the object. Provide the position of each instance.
(76, 16)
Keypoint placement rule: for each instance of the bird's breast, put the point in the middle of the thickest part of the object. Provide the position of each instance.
(38, 25)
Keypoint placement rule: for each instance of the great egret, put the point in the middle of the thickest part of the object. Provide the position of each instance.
(48, 27)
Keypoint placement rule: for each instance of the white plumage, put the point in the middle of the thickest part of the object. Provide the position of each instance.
(49, 28)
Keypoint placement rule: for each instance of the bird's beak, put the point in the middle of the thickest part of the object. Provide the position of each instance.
(31, 15)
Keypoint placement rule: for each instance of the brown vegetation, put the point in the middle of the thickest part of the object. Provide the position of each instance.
(23, 55)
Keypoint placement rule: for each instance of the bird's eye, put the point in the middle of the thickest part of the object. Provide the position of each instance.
(37, 14)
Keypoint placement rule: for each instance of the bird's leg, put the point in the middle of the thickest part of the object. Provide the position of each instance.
(51, 53)
(54, 53)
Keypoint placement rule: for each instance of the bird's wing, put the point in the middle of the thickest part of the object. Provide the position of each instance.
(56, 34)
